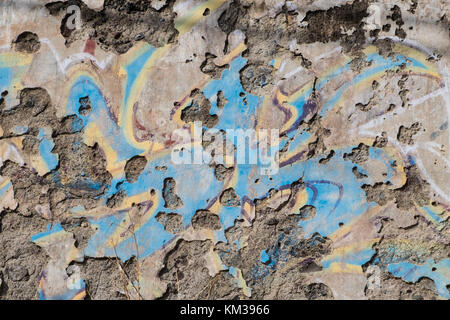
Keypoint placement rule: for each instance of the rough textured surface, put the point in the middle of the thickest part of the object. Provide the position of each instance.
(121, 179)
(134, 168)
(119, 24)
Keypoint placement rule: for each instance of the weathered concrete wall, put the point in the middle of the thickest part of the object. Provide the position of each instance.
(99, 98)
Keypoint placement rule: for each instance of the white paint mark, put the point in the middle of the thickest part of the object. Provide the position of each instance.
(63, 65)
